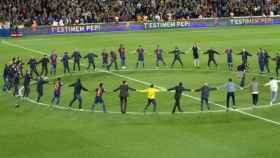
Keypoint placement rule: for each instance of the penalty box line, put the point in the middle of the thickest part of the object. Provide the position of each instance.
(147, 83)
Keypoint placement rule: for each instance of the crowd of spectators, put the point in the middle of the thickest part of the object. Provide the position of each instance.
(63, 12)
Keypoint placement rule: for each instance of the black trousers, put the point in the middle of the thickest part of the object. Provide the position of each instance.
(34, 70)
(266, 65)
(91, 64)
(246, 63)
(16, 89)
(177, 59)
(40, 94)
(210, 60)
(76, 97)
(66, 68)
(242, 82)
(255, 99)
(111, 64)
(26, 91)
(45, 70)
(123, 104)
(177, 105)
(76, 63)
(202, 101)
(232, 96)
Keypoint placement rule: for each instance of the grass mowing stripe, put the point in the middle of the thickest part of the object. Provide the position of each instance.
(147, 83)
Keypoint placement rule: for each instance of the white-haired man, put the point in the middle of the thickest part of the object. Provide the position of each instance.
(273, 84)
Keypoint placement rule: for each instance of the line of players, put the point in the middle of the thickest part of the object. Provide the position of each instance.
(179, 89)
(110, 59)
(14, 71)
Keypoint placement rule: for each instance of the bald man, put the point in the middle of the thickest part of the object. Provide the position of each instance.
(205, 93)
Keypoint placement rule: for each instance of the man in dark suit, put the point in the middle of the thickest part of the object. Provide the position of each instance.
(91, 59)
(179, 89)
(40, 81)
(124, 88)
(205, 91)
(211, 56)
(177, 56)
(78, 88)
(76, 59)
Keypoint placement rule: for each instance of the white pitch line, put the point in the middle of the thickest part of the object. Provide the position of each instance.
(145, 83)
(128, 70)
(111, 112)
(195, 98)
(138, 113)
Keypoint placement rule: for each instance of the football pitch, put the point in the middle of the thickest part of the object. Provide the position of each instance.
(43, 130)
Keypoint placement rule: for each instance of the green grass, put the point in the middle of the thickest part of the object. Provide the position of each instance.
(37, 131)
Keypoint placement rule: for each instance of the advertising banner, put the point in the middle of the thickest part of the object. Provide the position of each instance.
(133, 26)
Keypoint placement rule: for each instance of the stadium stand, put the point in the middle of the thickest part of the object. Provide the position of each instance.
(89, 11)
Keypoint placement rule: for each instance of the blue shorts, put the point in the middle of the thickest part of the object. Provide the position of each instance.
(98, 100)
(56, 94)
(141, 59)
(53, 66)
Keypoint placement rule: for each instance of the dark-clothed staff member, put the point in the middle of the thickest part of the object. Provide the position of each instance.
(159, 56)
(12, 71)
(65, 61)
(211, 56)
(244, 56)
(16, 81)
(99, 98)
(177, 56)
(105, 58)
(26, 84)
(19, 66)
(124, 88)
(40, 81)
(179, 89)
(205, 93)
(277, 63)
(266, 60)
(229, 53)
(140, 56)
(53, 61)
(261, 60)
(44, 61)
(241, 72)
(195, 53)
(91, 60)
(33, 66)
(78, 88)
(57, 91)
(76, 55)
(122, 54)
(113, 56)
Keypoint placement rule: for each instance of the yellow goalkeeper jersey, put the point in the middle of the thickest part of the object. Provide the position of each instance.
(151, 92)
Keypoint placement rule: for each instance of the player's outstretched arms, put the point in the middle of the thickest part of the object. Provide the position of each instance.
(117, 89)
(162, 90)
(171, 89)
(132, 89)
